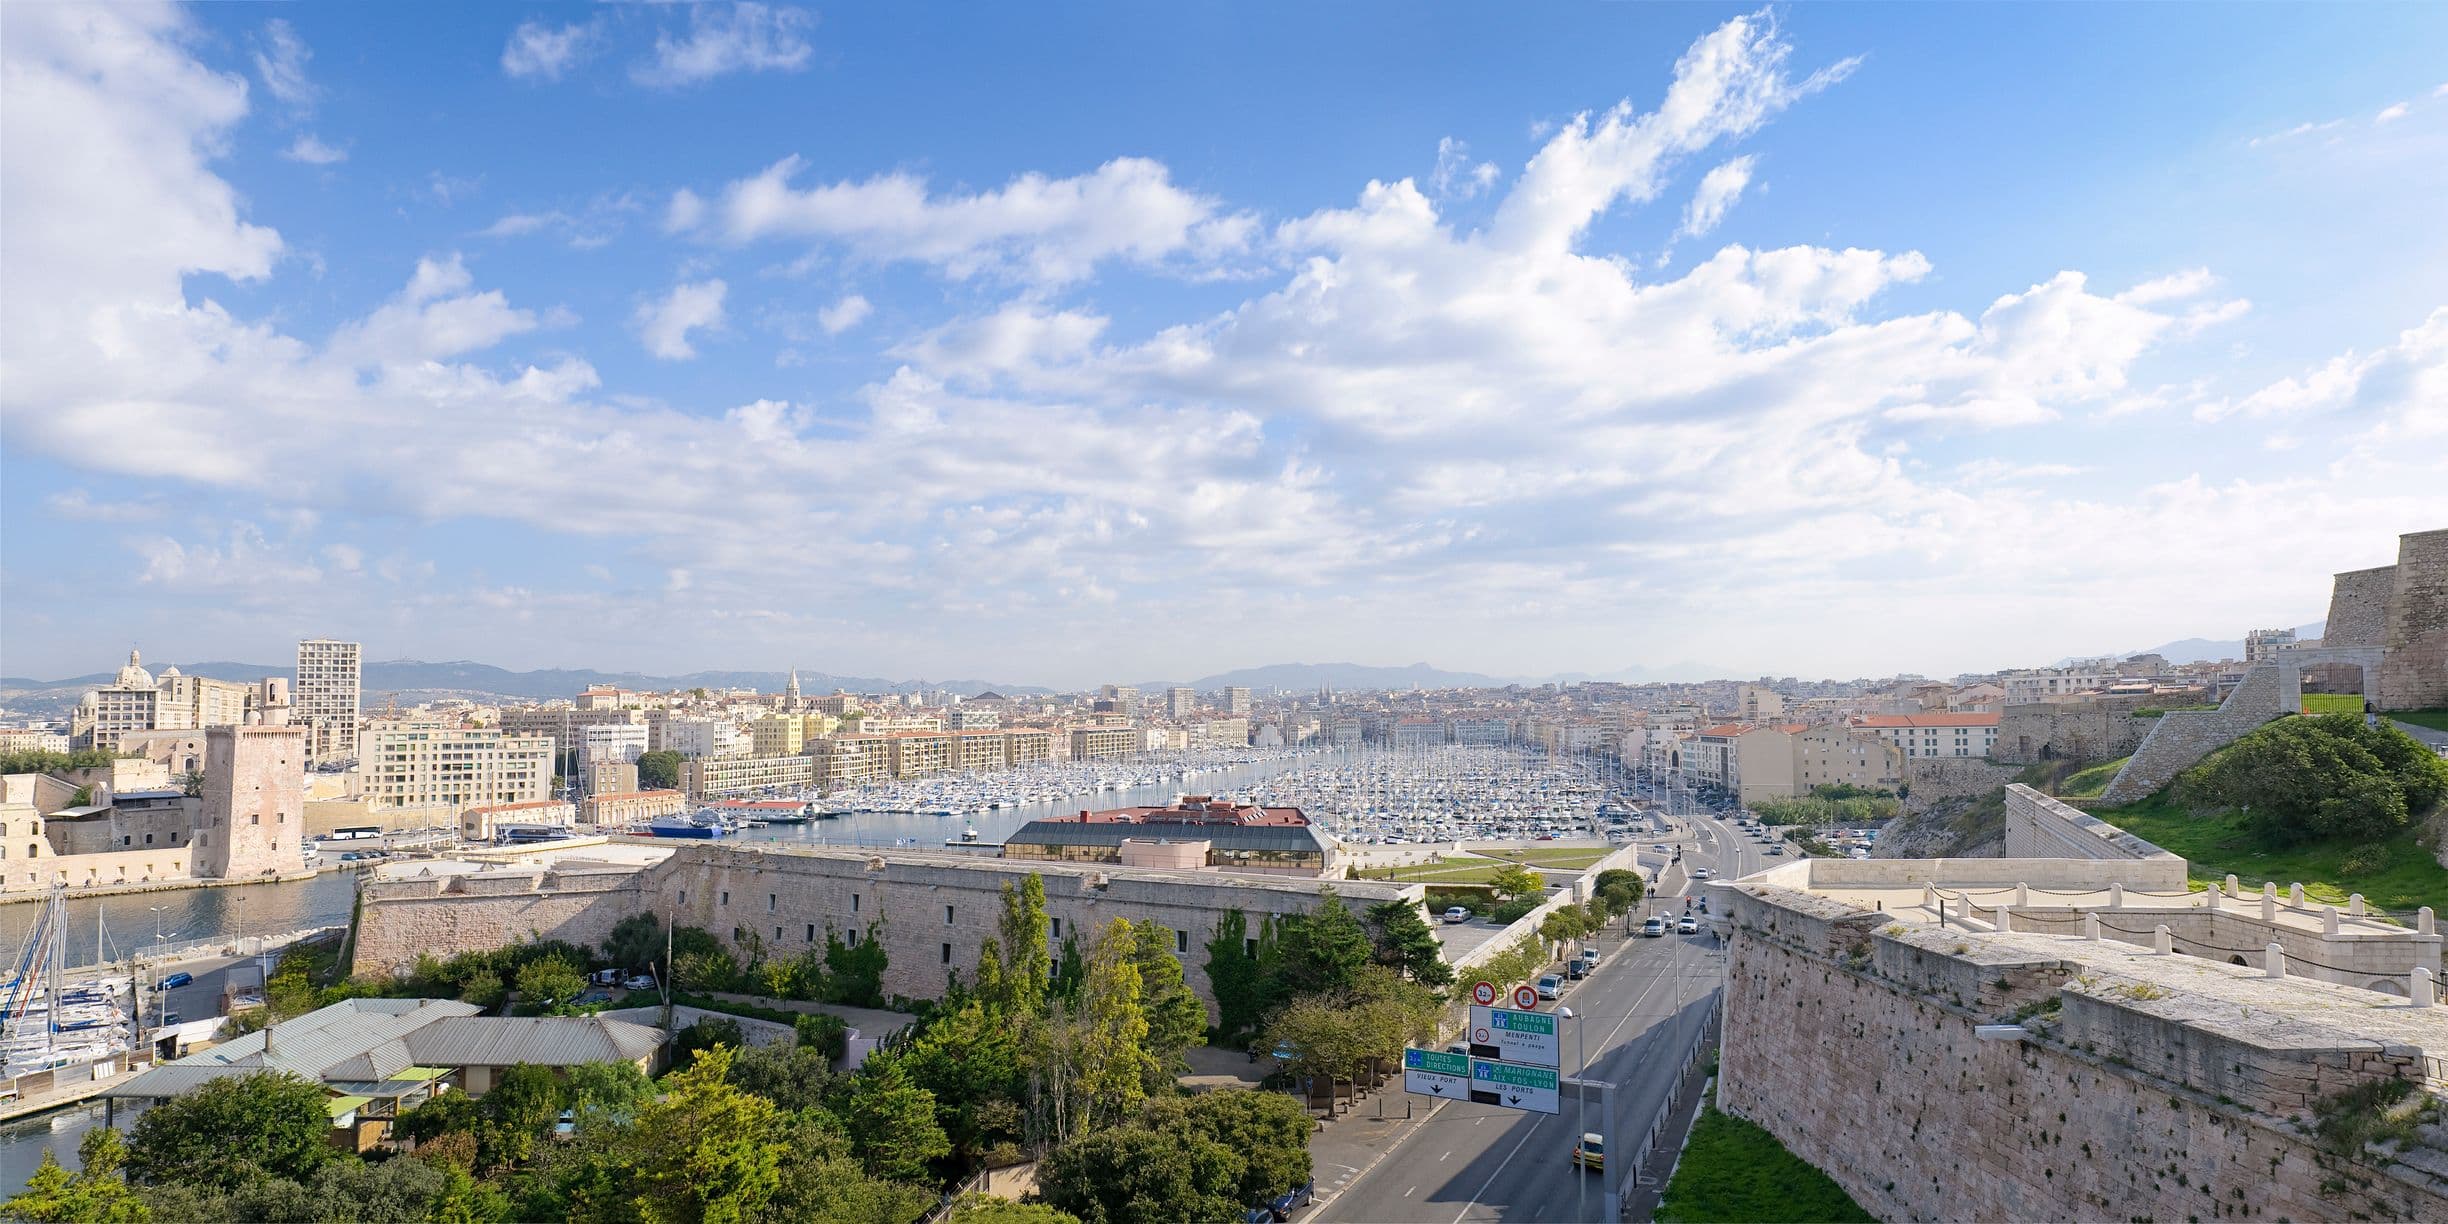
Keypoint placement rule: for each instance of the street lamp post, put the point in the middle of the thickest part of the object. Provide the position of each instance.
(1581, 1055)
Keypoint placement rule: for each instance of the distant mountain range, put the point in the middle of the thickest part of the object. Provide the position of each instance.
(1355, 677)
(412, 679)
(2204, 650)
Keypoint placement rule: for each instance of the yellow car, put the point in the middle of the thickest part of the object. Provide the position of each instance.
(1590, 1153)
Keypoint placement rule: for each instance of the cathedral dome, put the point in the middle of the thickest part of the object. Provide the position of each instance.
(134, 675)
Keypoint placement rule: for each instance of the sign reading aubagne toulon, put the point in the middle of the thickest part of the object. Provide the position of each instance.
(1515, 1036)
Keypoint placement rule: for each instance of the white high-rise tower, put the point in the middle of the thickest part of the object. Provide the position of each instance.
(326, 698)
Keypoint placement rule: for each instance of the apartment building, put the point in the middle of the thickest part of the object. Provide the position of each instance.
(1180, 702)
(1219, 733)
(442, 766)
(2056, 683)
(1098, 743)
(1418, 732)
(195, 702)
(564, 725)
(1027, 746)
(705, 737)
(1713, 757)
(848, 760)
(978, 751)
(1935, 734)
(1237, 700)
(2261, 644)
(1759, 703)
(710, 777)
(966, 718)
(782, 734)
(1481, 730)
(917, 754)
(604, 743)
(623, 808)
(1835, 754)
(1767, 764)
(328, 697)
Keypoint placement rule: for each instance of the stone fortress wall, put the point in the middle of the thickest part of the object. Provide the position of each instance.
(2414, 665)
(2100, 729)
(2134, 1085)
(1929, 781)
(934, 910)
(2183, 737)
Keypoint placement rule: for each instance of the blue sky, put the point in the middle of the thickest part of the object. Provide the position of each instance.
(1070, 343)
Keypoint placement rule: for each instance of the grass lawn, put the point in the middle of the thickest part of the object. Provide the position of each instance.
(1463, 872)
(2219, 844)
(1734, 1171)
(2437, 720)
(1560, 857)
(2332, 703)
(2093, 782)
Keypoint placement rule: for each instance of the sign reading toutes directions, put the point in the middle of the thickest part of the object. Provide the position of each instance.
(1514, 1086)
(1437, 1073)
(1515, 1036)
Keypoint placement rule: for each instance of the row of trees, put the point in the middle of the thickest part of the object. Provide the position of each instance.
(1828, 805)
(43, 760)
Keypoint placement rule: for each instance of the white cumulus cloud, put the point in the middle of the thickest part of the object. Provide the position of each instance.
(843, 315)
(665, 323)
(728, 38)
(541, 51)
(1718, 191)
(311, 150)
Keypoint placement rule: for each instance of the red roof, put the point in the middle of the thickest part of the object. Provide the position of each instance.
(1727, 730)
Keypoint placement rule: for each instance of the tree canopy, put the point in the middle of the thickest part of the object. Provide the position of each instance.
(233, 1131)
(2317, 778)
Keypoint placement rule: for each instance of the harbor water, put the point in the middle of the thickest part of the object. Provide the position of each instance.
(112, 928)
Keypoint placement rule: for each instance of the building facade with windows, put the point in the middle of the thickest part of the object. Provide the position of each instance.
(451, 768)
(328, 698)
(1934, 734)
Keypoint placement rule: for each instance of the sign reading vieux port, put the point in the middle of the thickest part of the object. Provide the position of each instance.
(1514, 1087)
(1515, 1036)
(1437, 1073)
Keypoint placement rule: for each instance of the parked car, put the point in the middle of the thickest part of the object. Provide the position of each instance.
(1590, 1152)
(1655, 928)
(1457, 913)
(1776, 850)
(642, 981)
(1550, 987)
(1589, 957)
(1575, 969)
(1688, 926)
(174, 981)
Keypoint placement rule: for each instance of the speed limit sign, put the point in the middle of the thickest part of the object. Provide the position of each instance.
(1525, 998)
(1484, 994)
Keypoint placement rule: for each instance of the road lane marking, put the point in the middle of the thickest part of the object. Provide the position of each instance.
(1500, 1168)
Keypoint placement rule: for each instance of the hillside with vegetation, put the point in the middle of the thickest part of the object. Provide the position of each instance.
(2324, 801)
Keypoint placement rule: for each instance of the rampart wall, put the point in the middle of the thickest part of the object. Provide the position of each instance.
(934, 911)
(2101, 729)
(1930, 780)
(2358, 607)
(2183, 737)
(2414, 671)
(1853, 1041)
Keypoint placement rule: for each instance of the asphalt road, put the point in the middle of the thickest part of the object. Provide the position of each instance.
(1469, 1162)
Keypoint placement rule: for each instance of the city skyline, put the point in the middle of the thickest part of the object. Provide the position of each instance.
(689, 338)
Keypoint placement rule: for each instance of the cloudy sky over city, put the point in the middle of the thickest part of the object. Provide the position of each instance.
(1113, 342)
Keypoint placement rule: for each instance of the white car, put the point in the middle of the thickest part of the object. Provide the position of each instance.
(1688, 926)
(1702, 873)
(1456, 913)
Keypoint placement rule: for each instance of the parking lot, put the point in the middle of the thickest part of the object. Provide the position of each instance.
(1461, 937)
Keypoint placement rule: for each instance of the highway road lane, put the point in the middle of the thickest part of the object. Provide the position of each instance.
(1470, 1162)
